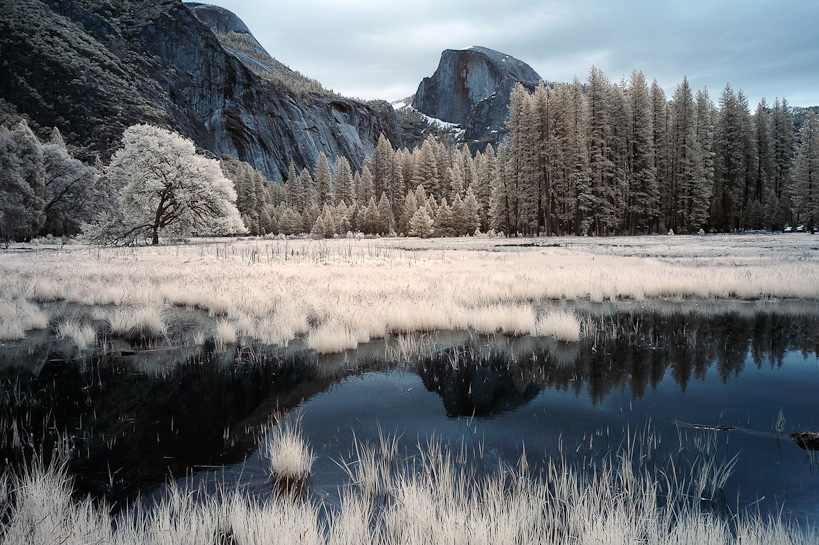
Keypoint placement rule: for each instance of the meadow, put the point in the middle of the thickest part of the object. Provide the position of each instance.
(363, 333)
(336, 294)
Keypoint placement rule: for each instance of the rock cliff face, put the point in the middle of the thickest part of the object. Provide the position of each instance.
(471, 87)
(94, 67)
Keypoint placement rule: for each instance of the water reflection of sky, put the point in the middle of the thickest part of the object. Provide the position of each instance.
(770, 467)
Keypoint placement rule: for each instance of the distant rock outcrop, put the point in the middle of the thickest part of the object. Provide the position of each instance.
(471, 87)
(94, 67)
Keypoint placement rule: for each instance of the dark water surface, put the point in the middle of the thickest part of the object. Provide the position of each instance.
(137, 419)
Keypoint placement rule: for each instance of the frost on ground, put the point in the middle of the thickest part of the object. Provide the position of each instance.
(341, 292)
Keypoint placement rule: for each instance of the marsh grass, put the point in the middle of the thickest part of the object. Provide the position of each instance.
(428, 498)
(338, 294)
(137, 324)
(286, 453)
(82, 334)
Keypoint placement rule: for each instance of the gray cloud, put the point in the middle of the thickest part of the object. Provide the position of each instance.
(382, 49)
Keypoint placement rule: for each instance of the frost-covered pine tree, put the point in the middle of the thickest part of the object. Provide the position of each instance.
(688, 192)
(806, 174)
(344, 189)
(383, 221)
(324, 181)
(421, 224)
(382, 168)
(662, 158)
(643, 195)
(166, 188)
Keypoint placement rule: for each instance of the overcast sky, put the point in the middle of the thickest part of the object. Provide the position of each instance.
(382, 49)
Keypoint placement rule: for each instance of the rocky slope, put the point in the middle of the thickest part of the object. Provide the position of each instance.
(94, 67)
(471, 87)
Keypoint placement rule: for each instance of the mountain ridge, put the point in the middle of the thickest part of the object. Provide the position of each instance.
(94, 67)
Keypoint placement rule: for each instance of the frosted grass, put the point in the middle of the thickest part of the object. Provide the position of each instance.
(429, 498)
(82, 335)
(342, 292)
(285, 451)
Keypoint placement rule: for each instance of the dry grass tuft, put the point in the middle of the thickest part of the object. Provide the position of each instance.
(83, 335)
(563, 325)
(143, 323)
(285, 451)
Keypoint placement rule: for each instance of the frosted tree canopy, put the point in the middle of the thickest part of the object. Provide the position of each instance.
(166, 188)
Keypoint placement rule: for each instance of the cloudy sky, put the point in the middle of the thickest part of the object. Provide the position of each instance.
(382, 49)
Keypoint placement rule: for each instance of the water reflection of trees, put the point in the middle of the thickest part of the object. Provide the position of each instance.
(131, 429)
(624, 350)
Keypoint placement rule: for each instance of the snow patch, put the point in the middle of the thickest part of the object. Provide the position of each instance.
(440, 123)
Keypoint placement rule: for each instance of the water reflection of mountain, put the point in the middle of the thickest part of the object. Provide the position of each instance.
(633, 350)
(474, 384)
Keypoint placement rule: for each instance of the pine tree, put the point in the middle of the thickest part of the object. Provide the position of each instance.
(688, 193)
(421, 224)
(296, 198)
(763, 188)
(484, 181)
(750, 158)
(309, 216)
(733, 135)
(408, 210)
(579, 192)
(383, 216)
(458, 218)
(472, 219)
(345, 190)
(56, 138)
(601, 168)
(783, 153)
(806, 174)
(618, 154)
(662, 162)
(426, 169)
(642, 205)
(382, 168)
(324, 181)
(706, 116)
(442, 226)
(365, 187)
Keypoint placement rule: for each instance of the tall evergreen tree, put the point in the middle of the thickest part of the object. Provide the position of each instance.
(729, 167)
(806, 174)
(602, 215)
(688, 193)
(324, 181)
(343, 181)
(763, 189)
(662, 157)
(643, 196)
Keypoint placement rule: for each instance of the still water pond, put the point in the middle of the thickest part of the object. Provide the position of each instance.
(136, 420)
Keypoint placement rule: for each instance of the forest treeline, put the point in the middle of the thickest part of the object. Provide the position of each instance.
(597, 158)
(593, 158)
